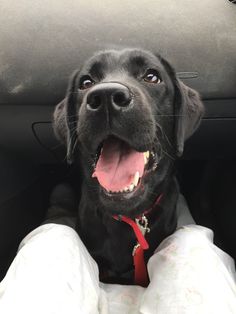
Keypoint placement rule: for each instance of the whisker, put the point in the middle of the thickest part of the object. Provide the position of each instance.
(72, 115)
(168, 155)
(164, 135)
(170, 115)
(73, 134)
(74, 146)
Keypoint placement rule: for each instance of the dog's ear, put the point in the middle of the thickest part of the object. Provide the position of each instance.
(188, 109)
(65, 117)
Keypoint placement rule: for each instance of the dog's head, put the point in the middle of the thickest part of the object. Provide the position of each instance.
(125, 118)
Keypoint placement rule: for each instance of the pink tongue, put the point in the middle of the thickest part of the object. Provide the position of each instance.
(117, 165)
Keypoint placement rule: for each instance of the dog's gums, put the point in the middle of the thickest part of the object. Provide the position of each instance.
(120, 168)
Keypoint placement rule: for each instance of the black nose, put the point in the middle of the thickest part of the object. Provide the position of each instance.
(108, 94)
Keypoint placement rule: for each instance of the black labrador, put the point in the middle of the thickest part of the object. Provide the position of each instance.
(124, 121)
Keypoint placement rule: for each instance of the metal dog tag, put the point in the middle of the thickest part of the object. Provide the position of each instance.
(143, 224)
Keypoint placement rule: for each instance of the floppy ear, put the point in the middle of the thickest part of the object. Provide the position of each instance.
(65, 118)
(188, 109)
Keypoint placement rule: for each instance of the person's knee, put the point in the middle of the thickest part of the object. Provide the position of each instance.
(187, 237)
(187, 243)
(51, 236)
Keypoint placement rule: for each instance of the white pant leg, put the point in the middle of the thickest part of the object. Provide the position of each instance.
(123, 299)
(52, 273)
(190, 275)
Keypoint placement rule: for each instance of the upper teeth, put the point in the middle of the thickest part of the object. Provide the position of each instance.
(146, 157)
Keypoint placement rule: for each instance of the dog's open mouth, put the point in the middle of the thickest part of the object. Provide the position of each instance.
(120, 168)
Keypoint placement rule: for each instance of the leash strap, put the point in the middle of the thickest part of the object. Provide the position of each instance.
(140, 274)
(140, 269)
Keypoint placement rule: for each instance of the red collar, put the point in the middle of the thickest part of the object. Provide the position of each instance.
(140, 228)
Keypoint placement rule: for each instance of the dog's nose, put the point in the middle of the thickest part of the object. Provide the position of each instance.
(108, 94)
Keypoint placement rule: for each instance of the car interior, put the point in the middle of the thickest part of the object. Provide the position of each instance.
(43, 42)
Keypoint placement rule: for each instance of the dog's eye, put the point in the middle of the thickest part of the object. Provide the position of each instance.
(86, 82)
(152, 76)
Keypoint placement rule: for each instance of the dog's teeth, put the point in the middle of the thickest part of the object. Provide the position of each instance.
(146, 156)
(131, 187)
(136, 178)
(154, 166)
(126, 188)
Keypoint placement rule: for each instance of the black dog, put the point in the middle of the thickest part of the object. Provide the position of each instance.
(124, 120)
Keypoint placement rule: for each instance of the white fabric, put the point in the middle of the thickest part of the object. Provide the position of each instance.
(183, 213)
(54, 274)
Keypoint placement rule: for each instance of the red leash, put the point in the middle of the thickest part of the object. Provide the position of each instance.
(140, 228)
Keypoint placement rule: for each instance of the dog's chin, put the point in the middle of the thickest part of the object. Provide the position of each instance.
(123, 203)
(130, 203)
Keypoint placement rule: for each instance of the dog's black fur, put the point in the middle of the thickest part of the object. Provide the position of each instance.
(159, 117)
